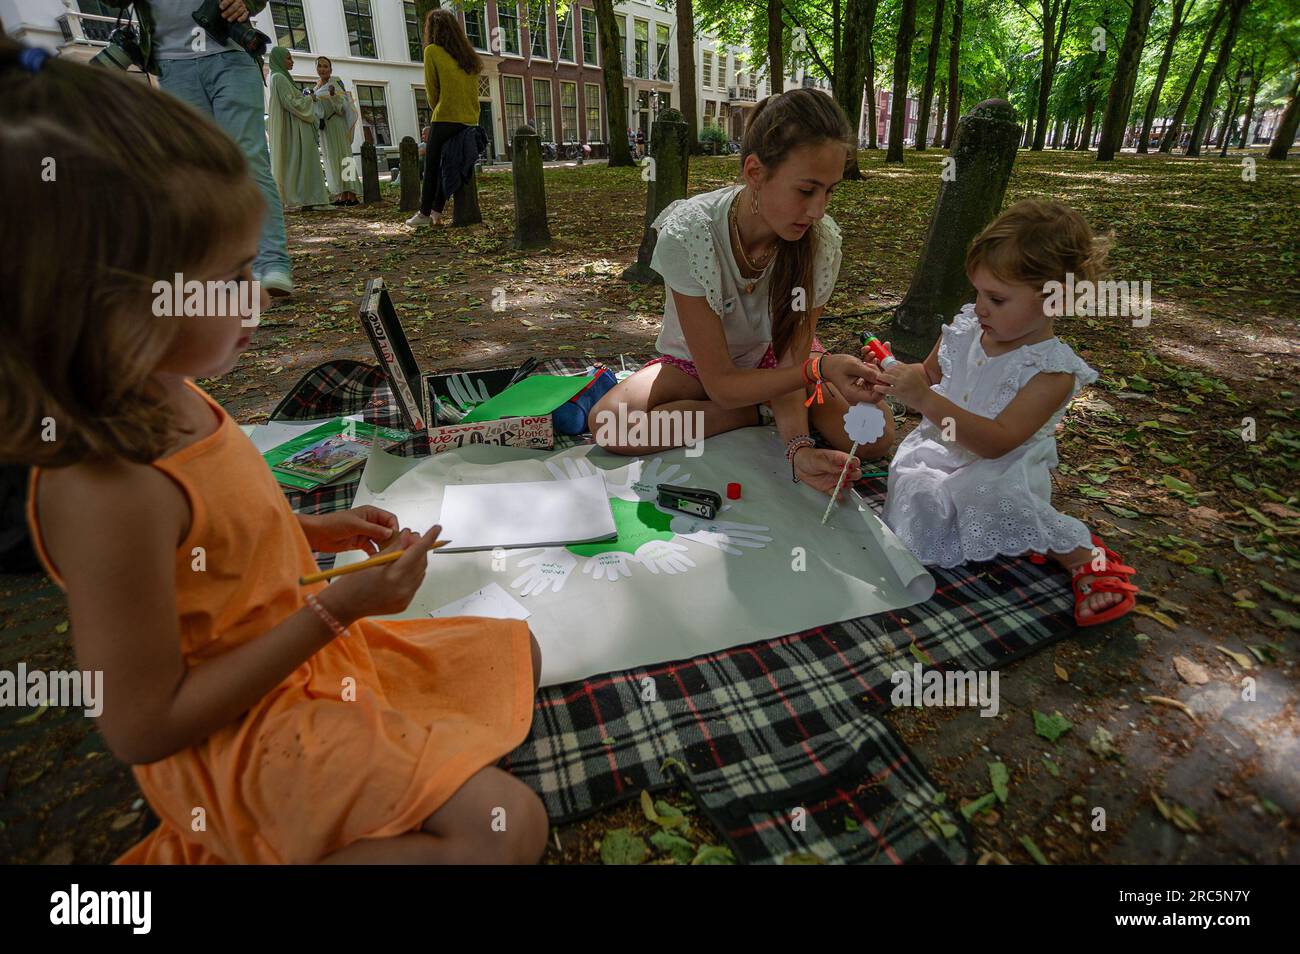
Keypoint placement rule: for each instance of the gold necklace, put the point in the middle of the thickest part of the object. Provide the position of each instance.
(746, 264)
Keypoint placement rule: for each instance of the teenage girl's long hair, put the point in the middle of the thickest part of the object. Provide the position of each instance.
(782, 123)
(442, 27)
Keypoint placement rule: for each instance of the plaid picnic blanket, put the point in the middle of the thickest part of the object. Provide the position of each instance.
(780, 741)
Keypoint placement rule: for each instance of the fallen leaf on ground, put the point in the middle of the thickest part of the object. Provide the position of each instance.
(1192, 673)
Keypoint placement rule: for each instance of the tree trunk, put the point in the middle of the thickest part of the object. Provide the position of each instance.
(1250, 108)
(1228, 131)
(932, 60)
(939, 106)
(1029, 122)
(1120, 100)
(615, 96)
(902, 66)
(1153, 102)
(1090, 102)
(1176, 124)
(1216, 76)
(871, 98)
(775, 56)
(1285, 134)
(954, 81)
(859, 18)
(686, 73)
(1053, 34)
(1228, 128)
(1071, 132)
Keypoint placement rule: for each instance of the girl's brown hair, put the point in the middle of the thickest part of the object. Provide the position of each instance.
(442, 27)
(780, 124)
(1035, 242)
(109, 186)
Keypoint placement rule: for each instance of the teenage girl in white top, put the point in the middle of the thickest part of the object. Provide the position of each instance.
(747, 270)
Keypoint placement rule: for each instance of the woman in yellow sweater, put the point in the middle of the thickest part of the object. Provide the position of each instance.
(451, 69)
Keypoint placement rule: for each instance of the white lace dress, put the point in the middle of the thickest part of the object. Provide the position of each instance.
(951, 506)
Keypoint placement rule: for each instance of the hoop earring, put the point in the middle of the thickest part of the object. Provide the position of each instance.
(753, 200)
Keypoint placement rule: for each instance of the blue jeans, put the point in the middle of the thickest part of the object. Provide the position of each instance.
(228, 87)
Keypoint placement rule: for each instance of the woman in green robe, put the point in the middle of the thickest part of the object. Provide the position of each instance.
(291, 126)
(338, 119)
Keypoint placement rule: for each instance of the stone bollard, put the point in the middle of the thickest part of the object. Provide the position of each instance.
(369, 174)
(409, 174)
(531, 230)
(665, 170)
(984, 149)
(464, 202)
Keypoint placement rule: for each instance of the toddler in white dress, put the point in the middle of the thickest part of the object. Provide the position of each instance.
(973, 480)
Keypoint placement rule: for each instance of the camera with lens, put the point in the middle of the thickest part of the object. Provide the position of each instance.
(248, 37)
(123, 49)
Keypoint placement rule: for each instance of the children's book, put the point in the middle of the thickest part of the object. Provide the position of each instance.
(327, 452)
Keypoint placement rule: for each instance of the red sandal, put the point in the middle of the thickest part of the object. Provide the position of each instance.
(1111, 578)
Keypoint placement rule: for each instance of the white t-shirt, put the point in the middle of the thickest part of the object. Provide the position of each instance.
(693, 254)
(174, 31)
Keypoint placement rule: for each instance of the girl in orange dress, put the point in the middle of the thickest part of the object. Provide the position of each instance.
(265, 721)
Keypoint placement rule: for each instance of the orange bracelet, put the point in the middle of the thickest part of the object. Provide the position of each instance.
(817, 394)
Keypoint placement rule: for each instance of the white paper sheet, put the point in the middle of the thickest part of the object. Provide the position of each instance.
(491, 601)
(536, 513)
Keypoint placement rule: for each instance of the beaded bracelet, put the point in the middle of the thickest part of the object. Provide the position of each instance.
(335, 626)
(796, 444)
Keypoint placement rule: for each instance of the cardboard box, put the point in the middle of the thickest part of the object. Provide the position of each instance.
(414, 390)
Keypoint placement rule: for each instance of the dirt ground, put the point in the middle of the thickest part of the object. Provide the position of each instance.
(1183, 727)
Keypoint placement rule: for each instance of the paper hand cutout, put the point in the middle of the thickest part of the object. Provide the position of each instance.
(550, 568)
(665, 555)
(643, 478)
(611, 566)
(722, 535)
(465, 392)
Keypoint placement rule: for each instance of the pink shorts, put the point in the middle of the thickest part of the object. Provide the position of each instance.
(767, 361)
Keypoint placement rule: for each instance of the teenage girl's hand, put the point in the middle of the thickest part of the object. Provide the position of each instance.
(907, 382)
(382, 590)
(851, 377)
(820, 468)
(361, 528)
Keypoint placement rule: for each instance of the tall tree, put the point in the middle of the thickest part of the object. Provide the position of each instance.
(1176, 124)
(688, 95)
(1284, 136)
(940, 105)
(1153, 102)
(1216, 76)
(1120, 100)
(1090, 100)
(775, 57)
(1256, 75)
(851, 74)
(1055, 14)
(902, 67)
(872, 122)
(954, 80)
(927, 90)
(1228, 129)
(611, 56)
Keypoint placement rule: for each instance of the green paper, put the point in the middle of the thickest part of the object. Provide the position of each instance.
(534, 396)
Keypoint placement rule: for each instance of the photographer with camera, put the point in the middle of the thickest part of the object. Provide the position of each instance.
(206, 53)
